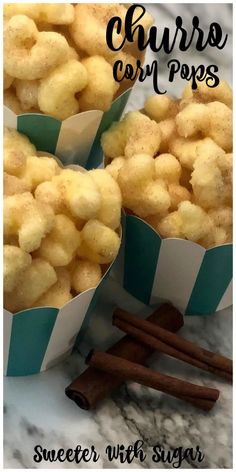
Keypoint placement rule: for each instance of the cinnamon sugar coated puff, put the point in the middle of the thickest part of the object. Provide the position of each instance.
(15, 261)
(173, 163)
(86, 275)
(57, 92)
(35, 280)
(99, 242)
(59, 293)
(101, 85)
(135, 134)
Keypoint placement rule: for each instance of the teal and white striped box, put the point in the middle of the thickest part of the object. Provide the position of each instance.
(38, 338)
(197, 281)
(75, 140)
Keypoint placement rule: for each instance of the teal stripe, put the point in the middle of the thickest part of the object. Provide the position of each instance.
(42, 130)
(91, 308)
(213, 279)
(142, 246)
(31, 331)
(96, 154)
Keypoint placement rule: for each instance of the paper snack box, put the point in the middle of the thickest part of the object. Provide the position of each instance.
(195, 280)
(36, 339)
(75, 140)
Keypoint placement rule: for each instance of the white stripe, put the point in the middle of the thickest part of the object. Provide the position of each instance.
(66, 328)
(76, 137)
(10, 119)
(176, 272)
(7, 325)
(227, 298)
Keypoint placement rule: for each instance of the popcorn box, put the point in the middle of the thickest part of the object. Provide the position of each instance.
(154, 270)
(39, 338)
(75, 140)
(36, 339)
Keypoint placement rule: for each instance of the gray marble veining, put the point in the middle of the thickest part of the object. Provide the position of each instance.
(36, 410)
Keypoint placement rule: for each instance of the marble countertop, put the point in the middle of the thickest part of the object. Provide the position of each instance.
(36, 410)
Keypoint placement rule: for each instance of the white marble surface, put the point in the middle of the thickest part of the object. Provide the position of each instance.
(36, 409)
(38, 412)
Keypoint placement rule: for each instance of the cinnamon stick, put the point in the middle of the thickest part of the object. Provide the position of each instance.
(172, 344)
(93, 386)
(160, 346)
(128, 370)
